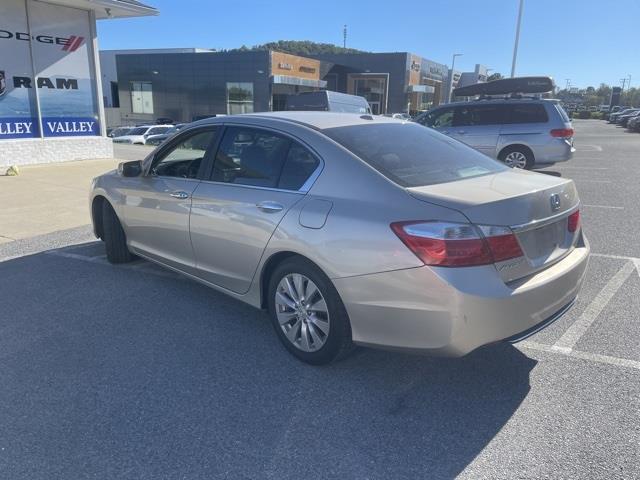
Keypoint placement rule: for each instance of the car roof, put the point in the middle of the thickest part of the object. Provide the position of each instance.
(500, 101)
(313, 119)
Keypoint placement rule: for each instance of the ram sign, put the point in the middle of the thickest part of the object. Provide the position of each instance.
(60, 95)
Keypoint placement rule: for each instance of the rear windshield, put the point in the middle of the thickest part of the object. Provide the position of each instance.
(412, 155)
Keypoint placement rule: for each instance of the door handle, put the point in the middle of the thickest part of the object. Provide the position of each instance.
(179, 194)
(270, 207)
(462, 132)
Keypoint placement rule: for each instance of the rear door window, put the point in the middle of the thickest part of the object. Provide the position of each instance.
(473, 115)
(527, 113)
(298, 167)
(250, 156)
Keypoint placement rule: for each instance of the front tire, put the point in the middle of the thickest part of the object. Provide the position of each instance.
(115, 241)
(307, 313)
(517, 157)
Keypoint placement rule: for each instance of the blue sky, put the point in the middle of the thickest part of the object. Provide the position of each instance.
(588, 41)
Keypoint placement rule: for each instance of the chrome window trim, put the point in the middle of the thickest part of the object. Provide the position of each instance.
(543, 222)
(254, 187)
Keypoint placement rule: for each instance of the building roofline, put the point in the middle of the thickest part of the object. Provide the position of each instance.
(108, 9)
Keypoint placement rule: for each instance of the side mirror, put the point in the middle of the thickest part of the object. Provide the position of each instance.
(130, 169)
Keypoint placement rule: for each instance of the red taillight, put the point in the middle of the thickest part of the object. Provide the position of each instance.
(562, 132)
(457, 245)
(574, 221)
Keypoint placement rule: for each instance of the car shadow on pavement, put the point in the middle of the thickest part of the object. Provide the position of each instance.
(553, 173)
(114, 372)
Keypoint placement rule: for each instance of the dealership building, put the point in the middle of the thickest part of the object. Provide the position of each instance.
(51, 106)
(186, 86)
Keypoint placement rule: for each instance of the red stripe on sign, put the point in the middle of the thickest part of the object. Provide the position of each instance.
(70, 40)
(76, 44)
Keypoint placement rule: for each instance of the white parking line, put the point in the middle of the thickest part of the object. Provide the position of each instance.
(591, 181)
(568, 167)
(602, 206)
(616, 257)
(573, 334)
(588, 148)
(594, 357)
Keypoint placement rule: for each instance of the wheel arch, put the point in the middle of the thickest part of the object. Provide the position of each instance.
(271, 264)
(514, 146)
(96, 215)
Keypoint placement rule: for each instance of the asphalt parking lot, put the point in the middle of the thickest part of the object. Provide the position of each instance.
(113, 372)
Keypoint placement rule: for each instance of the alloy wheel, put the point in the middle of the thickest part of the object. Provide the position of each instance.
(302, 312)
(516, 160)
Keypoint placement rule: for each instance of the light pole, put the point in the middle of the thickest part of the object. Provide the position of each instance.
(515, 45)
(453, 64)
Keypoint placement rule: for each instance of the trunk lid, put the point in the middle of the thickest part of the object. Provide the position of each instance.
(535, 206)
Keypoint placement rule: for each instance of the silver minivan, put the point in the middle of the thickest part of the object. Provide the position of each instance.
(522, 133)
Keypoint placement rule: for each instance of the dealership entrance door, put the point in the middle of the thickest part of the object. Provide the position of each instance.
(372, 86)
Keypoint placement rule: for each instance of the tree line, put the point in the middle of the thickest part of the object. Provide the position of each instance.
(592, 96)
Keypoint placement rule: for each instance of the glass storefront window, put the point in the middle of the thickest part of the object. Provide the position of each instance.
(374, 90)
(239, 97)
(141, 97)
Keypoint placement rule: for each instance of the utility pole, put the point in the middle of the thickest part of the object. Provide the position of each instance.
(344, 37)
(515, 45)
(453, 64)
(568, 84)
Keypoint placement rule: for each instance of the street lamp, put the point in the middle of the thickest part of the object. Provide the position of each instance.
(453, 63)
(515, 45)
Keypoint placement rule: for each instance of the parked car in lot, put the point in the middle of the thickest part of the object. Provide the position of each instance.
(139, 135)
(400, 116)
(118, 132)
(156, 140)
(634, 124)
(622, 120)
(613, 117)
(352, 229)
(327, 101)
(522, 133)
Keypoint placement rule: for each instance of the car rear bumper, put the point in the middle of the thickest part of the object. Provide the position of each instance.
(452, 311)
(557, 150)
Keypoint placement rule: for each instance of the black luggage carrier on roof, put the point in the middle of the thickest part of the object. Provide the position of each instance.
(507, 86)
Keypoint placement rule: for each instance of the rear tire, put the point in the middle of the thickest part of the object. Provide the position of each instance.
(517, 157)
(115, 240)
(321, 317)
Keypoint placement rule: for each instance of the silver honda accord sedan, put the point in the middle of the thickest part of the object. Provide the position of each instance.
(351, 230)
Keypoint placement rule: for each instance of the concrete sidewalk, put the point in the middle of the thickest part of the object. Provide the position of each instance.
(47, 198)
